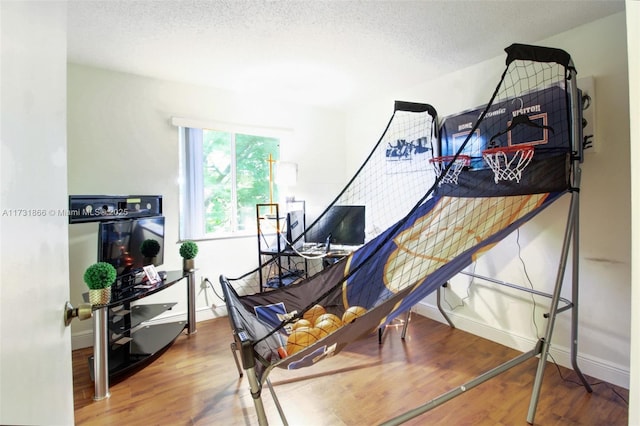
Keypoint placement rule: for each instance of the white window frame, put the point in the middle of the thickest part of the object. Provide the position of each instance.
(192, 226)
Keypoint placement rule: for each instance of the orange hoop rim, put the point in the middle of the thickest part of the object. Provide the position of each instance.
(508, 149)
(446, 158)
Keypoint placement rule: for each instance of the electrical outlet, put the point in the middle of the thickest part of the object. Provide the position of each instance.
(587, 86)
(203, 283)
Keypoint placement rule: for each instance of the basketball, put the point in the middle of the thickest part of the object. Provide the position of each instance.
(313, 313)
(301, 323)
(329, 317)
(352, 313)
(327, 326)
(301, 338)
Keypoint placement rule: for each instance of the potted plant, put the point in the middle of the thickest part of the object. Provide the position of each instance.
(188, 251)
(99, 277)
(149, 249)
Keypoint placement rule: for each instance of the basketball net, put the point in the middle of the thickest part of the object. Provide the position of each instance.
(440, 164)
(508, 162)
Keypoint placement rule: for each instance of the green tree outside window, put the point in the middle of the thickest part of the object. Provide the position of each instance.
(236, 178)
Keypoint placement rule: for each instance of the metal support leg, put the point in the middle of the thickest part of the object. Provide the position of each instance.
(277, 402)
(191, 301)
(408, 317)
(234, 348)
(100, 359)
(574, 299)
(444, 314)
(461, 389)
(404, 328)
(546, 342)
(256, 391)
(405, 325)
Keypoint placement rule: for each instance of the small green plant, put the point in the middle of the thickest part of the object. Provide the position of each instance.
(150, 248)
(188, 250)
(100, 275)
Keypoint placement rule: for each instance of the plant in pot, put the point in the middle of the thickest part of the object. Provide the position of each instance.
(150, 249)
(188, 251)
(99, 277)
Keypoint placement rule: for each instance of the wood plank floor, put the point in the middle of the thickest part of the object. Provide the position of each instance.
(195, 382)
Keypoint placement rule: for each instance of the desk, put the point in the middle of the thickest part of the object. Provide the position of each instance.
(334, 252)
(333, 255)
(293, 271)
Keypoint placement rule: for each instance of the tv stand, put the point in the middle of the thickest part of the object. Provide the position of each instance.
(121, 344)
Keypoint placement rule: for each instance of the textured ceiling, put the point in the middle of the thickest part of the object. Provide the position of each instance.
(326, 53)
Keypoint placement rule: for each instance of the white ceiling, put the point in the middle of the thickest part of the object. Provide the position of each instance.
(326, 53)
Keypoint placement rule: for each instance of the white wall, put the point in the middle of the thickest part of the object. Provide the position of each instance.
(633, 47)
(121, 141)
(599, 50)
(35, 347)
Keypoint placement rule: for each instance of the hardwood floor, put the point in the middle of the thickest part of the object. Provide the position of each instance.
(195, 382)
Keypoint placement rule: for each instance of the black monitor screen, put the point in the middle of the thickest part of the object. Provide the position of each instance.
(131, 244)
(345, 225)
(295, 228)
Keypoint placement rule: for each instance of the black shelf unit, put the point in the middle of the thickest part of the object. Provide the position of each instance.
(129, 343)
(149, 343)
(272, 226)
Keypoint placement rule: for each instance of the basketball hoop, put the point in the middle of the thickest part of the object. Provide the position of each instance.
(440, 164)
(508, 162)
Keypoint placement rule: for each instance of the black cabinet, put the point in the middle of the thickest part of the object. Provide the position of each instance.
(122, 340)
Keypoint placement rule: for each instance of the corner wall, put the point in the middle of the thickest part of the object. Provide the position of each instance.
(598, 50)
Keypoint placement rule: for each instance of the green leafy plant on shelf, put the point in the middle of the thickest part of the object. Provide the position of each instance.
(188, 251)
(99, 277)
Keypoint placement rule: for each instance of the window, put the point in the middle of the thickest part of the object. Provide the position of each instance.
(224, 174)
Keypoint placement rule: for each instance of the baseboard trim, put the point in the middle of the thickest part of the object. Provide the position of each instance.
(590, 366)
(82, 340)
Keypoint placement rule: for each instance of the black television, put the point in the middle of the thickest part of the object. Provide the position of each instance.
(131, 244)
(342, 225)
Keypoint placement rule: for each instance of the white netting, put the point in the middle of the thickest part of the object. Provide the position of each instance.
(451, 175)
(509, 162)
(418, 233)
(395, 174)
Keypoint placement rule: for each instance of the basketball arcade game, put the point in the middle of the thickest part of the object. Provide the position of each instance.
(529, 156)
(496, 168)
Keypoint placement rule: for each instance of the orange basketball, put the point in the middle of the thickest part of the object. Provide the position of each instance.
(352, 313)
(329, 317)
(301, 338)
(327, 326)
(314, 312)
(301, 323)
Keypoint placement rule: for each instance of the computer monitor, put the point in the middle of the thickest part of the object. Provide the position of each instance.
(295, 229)
(343, 225)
